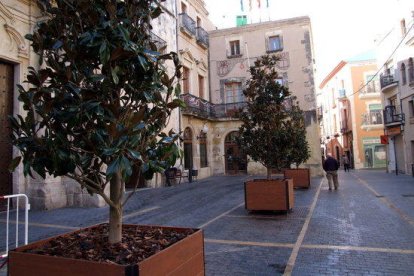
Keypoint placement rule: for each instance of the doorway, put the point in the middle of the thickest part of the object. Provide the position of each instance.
(235, 159)
(6, 109)
(188, 149)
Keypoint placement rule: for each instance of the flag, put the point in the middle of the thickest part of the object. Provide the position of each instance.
(267, 3)
(258, 4)
(241, 5)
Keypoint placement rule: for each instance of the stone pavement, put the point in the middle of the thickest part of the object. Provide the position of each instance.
(364, 228)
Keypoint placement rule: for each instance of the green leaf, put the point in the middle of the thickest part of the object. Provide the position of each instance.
(114, 167)
(14, 163)
(134, 154)
(57, 44)
(104, 53)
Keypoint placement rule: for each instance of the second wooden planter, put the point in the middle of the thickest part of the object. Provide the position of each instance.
(269, 195)
(301, 177)
(185, 257)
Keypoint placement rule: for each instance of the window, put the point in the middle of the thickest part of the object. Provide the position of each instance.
(183, 8)
(403, 27)
(235, 48)
(275, 43)
(403, 75)
(186, 80)
(200, 86)
(198, 22)
(371, 83)
(375, 114)
(411, 108)
(410, 70)
(203, 150)
(234, 92)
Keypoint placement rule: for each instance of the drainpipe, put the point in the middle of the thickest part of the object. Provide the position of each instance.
(176, 44)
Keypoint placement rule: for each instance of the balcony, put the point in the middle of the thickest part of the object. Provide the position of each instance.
(187, 24)
(387, 82)
(160, 43)
(202, 37)
(203, 109)
(393, 116)
(372, 120)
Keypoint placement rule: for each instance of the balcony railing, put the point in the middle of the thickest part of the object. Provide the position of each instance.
(202, 37)
(372, 118)
(187, 24)
(393, 115)
(387, 80)
(158, 41)
(204, 109)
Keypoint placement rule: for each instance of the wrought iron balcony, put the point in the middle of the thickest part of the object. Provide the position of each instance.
(204, 109)
(202, 37)
(187, 24)
(372, 118)
(393, 115)
(159, 42)
(387, 80)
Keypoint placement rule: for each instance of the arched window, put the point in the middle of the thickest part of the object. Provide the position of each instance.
(403, 75)
(410, 70)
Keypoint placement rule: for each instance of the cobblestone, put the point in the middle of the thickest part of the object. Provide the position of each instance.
(352, 231)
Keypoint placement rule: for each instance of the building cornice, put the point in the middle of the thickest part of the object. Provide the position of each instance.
(301, 20)
(332, 74)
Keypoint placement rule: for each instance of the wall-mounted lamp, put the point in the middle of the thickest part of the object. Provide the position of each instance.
(203, 132)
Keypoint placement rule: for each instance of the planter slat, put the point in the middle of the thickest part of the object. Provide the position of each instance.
(185, 257)
(301, 177)
(265, 195)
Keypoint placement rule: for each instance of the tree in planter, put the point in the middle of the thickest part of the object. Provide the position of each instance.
(300, 152)
(96, 111)
(267, 122)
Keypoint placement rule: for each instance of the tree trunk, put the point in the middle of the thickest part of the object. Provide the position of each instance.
(269, 173)
(115, 213)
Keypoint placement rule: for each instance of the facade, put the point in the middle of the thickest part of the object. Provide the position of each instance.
(397, 87)
(17, 18)
(352, 113)
(232, 51)
(193, 43)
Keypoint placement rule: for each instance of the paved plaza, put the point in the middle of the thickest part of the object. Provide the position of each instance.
(364, 228)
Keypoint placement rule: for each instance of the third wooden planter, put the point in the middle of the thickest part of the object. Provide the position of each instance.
(269, 195)
(300, 176)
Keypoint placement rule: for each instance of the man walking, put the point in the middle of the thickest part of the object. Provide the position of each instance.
(330, 166)
(345, 161)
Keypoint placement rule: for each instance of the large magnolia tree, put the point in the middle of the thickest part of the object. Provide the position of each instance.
(97, 108)
(272, 117)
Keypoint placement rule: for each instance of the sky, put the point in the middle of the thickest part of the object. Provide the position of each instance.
(341, 28)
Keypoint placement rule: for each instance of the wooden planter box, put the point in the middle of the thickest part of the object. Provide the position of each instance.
(269, 195)
(185, 257)
(301, 177)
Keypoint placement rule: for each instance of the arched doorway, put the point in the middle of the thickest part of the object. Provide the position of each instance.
(188, 148)
(235, 159)
(6, 109)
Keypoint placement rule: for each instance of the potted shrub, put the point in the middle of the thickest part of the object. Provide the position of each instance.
(95, 112)
(265, 135)
(300, 152)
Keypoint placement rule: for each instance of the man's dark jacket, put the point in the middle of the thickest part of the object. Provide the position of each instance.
(330, 164)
